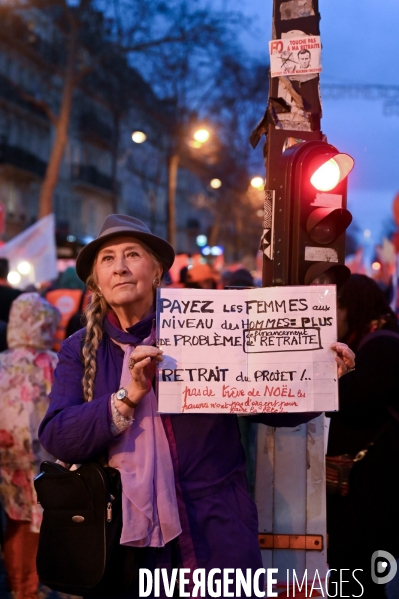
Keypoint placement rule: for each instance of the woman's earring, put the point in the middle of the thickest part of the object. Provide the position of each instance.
(156, 282)
(99, 292)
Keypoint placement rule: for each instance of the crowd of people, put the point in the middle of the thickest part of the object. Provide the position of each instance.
(186, 486)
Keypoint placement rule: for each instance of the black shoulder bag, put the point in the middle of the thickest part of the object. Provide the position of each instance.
(79, 550)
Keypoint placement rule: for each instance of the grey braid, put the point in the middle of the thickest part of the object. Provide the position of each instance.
(95, 312)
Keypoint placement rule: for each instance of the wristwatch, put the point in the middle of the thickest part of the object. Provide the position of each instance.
(121, 395)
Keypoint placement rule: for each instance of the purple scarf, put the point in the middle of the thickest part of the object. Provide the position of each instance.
(142, 456)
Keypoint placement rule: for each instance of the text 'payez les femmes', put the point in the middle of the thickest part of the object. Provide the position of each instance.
(248, 307)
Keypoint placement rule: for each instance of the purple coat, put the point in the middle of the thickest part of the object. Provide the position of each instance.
(217, 514)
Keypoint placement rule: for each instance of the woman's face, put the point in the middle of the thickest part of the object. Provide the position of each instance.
(342, 322)
(125, 271)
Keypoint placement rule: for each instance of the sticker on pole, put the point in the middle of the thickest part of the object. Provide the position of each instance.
(318, 254)
(295, 56)
(247, 351)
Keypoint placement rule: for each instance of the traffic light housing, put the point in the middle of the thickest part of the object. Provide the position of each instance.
(311, 216)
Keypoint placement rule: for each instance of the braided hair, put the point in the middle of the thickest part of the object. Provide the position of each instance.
(95, 314)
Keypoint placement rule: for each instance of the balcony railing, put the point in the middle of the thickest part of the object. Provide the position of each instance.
(87, 174)
(22, 159)
(14, 93)
(93, 129)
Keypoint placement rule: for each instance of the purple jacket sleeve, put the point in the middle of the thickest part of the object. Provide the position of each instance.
(74, 431)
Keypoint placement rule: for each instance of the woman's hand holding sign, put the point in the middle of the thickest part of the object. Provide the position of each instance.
(345, 357)
(142, 365)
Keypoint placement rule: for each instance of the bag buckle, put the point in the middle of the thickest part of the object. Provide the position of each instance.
(360, 455)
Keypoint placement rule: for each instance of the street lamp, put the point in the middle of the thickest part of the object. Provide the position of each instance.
(257, 182)
(201, 240)
(215, 183)
(24, 267)
(13, 277)
(138, 137)
(199, 136)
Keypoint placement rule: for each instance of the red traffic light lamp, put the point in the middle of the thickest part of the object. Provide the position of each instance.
(327, 170)
(311, 216)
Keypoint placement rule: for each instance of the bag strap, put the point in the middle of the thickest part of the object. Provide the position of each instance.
(383, 428)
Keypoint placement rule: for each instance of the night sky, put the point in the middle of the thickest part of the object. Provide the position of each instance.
(359, 47)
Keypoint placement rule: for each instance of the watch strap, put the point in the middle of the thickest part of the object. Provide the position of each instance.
(125, 399)
(130, 403)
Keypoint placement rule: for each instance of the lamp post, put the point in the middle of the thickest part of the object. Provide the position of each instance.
(199, 137)
(173, 167)
(178, 140)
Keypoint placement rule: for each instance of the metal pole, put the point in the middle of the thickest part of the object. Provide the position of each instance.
(173, 166)
(299, 119)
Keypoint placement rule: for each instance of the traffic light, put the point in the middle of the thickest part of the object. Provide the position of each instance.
(311, 216)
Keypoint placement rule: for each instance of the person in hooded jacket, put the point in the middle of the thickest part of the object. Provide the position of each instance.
(26, 374)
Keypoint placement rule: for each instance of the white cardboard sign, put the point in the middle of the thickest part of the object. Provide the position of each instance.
(247, 351)
(299, 55)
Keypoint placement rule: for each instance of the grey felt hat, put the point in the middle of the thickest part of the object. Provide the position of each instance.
(116, 225)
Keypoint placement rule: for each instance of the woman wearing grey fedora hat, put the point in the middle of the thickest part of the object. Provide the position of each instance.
(185, 497)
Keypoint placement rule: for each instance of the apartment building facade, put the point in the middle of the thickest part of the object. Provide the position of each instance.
(102, 170)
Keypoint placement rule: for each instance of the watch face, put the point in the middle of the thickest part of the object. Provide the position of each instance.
(121, 394)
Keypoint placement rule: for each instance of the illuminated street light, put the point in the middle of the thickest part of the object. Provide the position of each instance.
(13, 277)
(257, 182)
(194, 144)
(376, 266)
(201, 135)
(201, 240)
(216, 183)
(24, 268)
(138, 137)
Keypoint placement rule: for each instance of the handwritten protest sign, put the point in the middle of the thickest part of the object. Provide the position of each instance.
(247, 351)
(295, 56)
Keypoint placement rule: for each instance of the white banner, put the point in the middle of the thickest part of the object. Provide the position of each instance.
(247, 351)
(35, 245)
